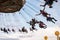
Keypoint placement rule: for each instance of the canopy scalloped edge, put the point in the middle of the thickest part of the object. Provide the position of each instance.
(10, 6)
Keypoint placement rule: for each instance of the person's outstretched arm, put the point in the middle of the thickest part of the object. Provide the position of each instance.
(38, 14)
(28, 22)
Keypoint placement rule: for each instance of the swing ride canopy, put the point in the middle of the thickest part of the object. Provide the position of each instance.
(10, 6)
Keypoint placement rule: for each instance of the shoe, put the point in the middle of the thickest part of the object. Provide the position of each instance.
(56, 1)
(50, 7)
(55, 20)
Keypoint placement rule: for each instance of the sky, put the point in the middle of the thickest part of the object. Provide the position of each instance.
(29, 11)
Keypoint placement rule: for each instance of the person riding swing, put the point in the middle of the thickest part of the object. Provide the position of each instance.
(32, 23)
(49, 3)
(43, 13)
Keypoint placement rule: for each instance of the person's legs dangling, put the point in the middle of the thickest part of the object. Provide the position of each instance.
(54, 19)
(50, 19)
(33, 27)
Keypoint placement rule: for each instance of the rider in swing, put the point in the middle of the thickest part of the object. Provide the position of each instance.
(49, 3)
(42, 25)
(48, 18)
(32, 23)
(43, 13)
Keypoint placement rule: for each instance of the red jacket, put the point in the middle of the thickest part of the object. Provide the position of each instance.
(44, 13)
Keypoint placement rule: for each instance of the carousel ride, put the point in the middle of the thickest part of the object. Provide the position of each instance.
(10, 6)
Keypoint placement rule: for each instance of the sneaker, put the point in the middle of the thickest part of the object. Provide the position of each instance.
(55, 20)
(50, 7)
